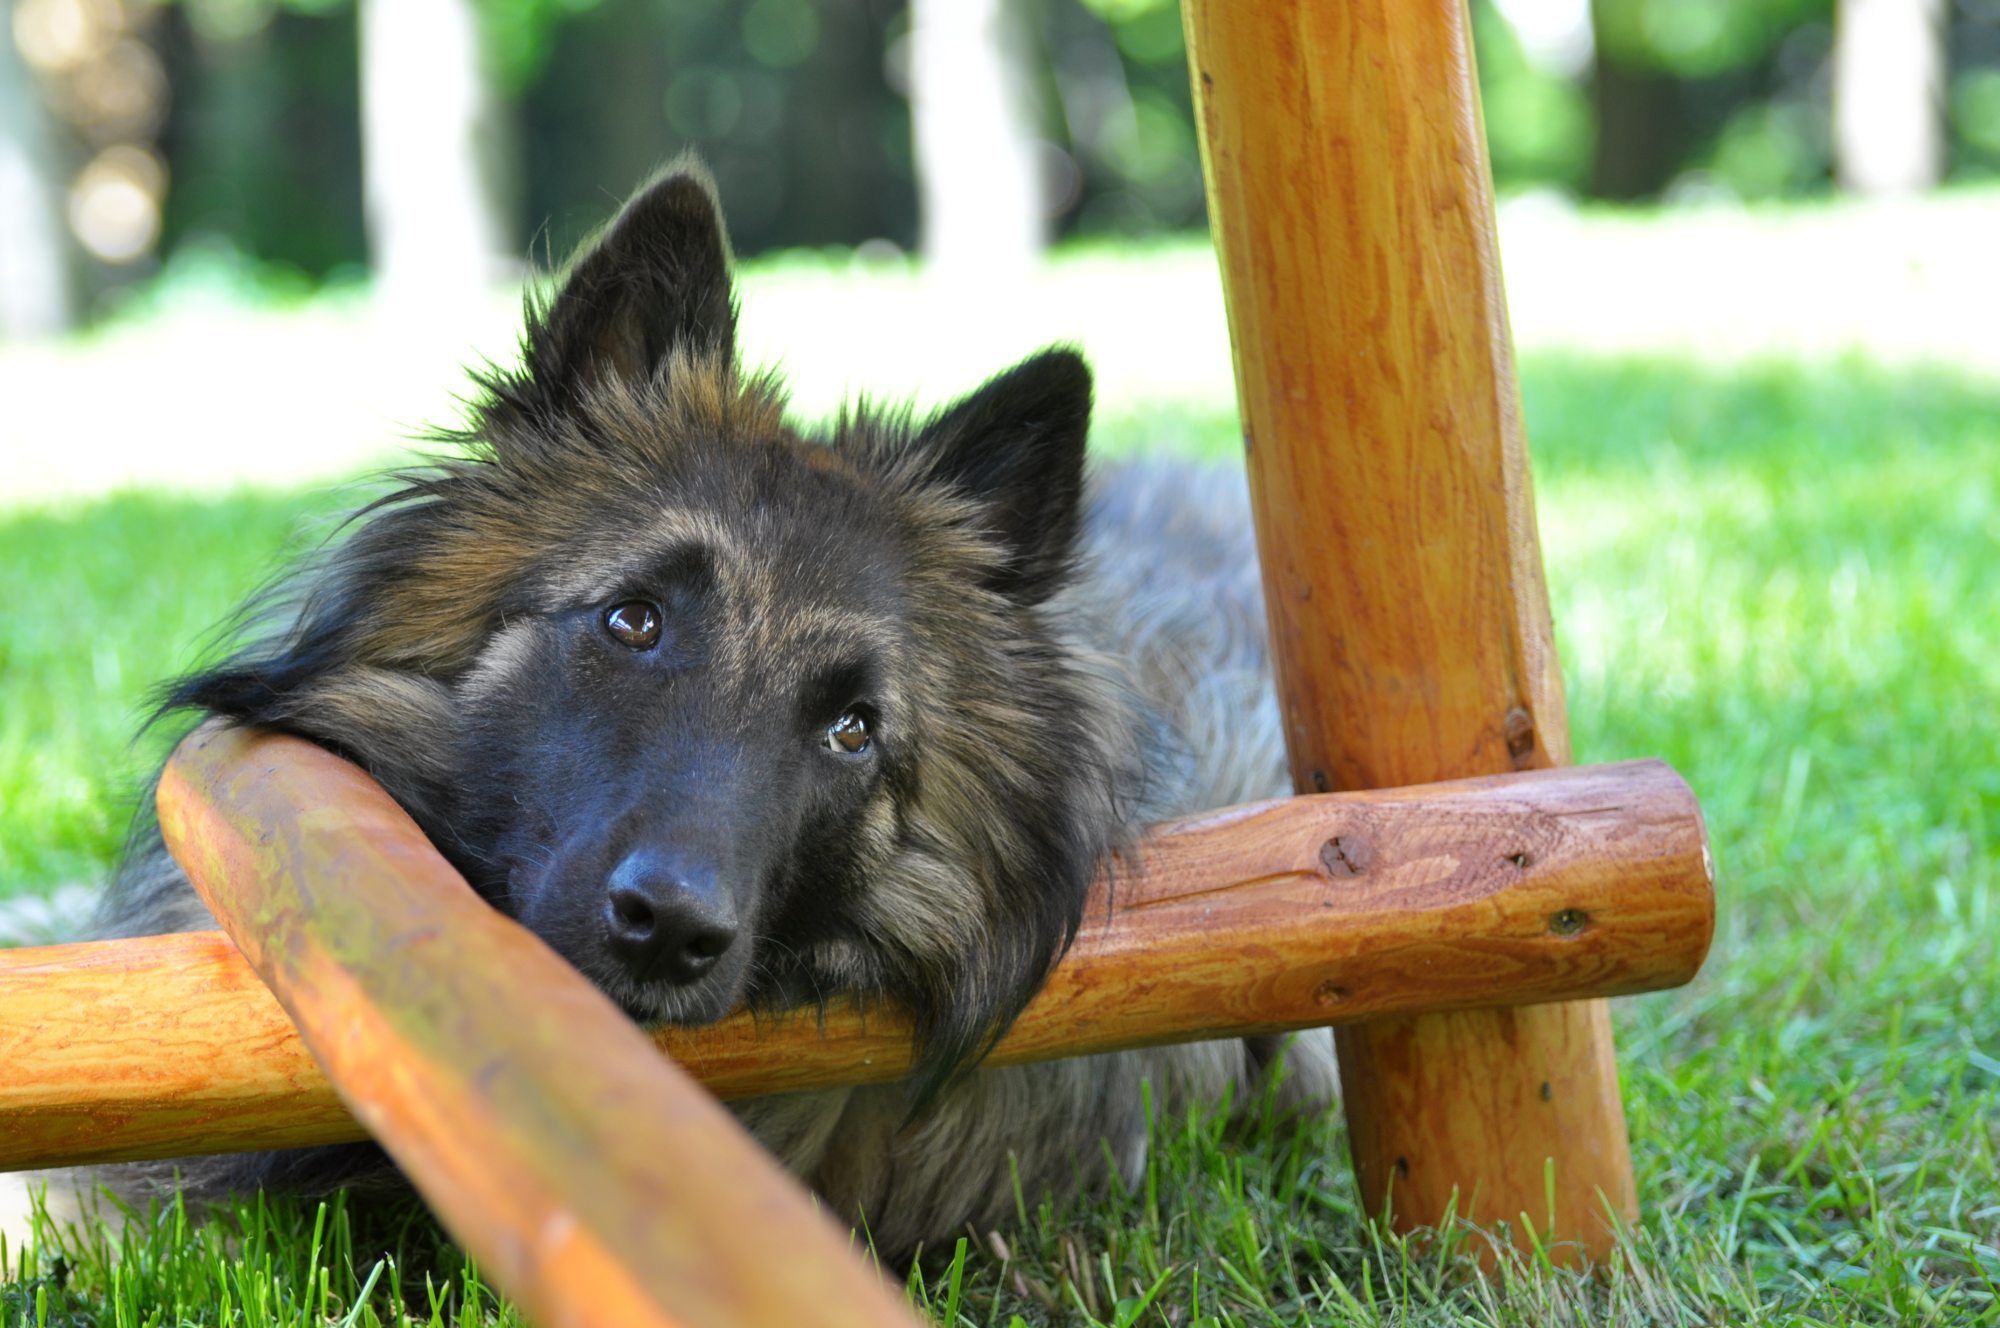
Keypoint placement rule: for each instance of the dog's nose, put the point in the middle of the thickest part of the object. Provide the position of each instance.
(668, 919)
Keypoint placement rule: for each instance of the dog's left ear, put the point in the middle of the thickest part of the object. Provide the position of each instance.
(655, 280)
(1016, 446)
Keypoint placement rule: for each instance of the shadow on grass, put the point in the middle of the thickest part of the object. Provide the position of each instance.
(1628, 418)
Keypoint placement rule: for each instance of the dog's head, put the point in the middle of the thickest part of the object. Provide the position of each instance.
(723, 709)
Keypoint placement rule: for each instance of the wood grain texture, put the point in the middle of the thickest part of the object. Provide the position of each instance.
(114, 1051)
(1351, 203)
(1279, 915)
(593, 1179)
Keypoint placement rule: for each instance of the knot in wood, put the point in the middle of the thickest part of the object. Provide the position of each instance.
(1519, 727)
(1568, 921)
(1345, 855)
(1329, 992)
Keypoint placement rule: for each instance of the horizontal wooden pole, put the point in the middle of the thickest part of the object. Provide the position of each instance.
(166, 1046)
(593, 1179)
(1533, 887)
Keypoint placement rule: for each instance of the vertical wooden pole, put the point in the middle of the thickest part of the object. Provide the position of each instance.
(1352, 207)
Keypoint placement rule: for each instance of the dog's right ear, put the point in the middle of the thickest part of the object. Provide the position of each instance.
(1015, 447)
(654, 281)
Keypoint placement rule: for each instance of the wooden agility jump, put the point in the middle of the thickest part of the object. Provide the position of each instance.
(1462, 934)
(375, 994)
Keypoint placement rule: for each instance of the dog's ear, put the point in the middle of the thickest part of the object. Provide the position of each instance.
(1016, 447)
(655, 280)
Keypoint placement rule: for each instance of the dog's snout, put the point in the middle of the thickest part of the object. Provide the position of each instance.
(668, 920)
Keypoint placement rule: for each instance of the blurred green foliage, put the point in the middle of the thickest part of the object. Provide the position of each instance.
(1696, 39)
(799, 106)
(1538, 123)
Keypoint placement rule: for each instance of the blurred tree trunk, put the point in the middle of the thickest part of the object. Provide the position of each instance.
(34, 285)
(433, 150)
(1640, 120)
(1888, 94)
(979, 178)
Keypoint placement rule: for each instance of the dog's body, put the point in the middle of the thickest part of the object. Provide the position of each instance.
(854, 714)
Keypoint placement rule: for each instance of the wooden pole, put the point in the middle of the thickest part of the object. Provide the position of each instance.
(596, 1182)
(1352, 207)
(1273, 916)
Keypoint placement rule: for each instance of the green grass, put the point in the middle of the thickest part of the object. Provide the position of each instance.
(264, 1264)
(105, 600)
(1781, 577)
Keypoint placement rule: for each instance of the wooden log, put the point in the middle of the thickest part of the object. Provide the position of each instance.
(1273, 916)
(168, 1046)
(1352, 207)
(596, 1182)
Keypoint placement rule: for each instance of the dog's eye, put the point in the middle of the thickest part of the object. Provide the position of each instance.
(848, 734)
(634, 623)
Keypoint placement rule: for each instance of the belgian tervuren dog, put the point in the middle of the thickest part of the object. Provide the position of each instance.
(729, 709)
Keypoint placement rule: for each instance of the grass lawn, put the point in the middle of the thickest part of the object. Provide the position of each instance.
(1778, 574)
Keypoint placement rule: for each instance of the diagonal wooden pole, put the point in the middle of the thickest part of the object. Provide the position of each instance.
(1352, 207)
(596, 1182)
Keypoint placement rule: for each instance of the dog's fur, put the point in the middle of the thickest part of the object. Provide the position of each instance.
(1043, 673)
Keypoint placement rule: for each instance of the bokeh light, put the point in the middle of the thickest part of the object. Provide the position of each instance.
(56, 36)
(114, 206)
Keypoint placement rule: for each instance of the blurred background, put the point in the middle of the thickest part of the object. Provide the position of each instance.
(174, 173)
(293, 144)
(305, 142)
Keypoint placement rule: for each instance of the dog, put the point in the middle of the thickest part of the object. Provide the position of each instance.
(734, 711)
